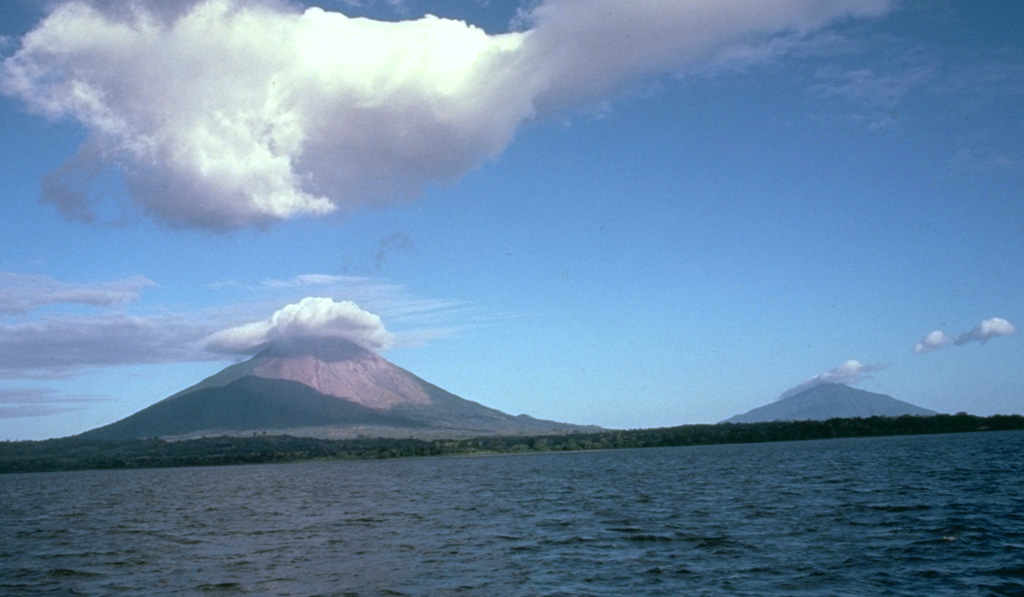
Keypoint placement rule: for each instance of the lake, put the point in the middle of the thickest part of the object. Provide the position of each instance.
(919, 515)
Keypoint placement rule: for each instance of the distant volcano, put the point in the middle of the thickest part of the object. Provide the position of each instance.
(320, 387)
(828, 401)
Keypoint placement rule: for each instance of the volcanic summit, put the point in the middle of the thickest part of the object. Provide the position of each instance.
(320, 387)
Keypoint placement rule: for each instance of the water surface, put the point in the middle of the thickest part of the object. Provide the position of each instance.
(923, 515)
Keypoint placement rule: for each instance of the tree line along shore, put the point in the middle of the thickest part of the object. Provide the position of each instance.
(73, 453)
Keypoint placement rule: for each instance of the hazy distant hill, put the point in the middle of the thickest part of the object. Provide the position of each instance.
(320, 387)
(829, 401)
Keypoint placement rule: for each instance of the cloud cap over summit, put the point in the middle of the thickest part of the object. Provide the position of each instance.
(312, 317)
(849, 372)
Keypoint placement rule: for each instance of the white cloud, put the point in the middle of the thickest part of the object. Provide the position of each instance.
(850, 372)
(983, 332)
(312, 316)
(21, 293)
(933, 340)
(240, 113)
(222, 113)
(986, 330)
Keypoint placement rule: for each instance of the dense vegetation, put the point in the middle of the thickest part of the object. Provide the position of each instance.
(75, 453)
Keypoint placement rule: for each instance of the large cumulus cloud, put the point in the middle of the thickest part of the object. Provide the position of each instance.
(222, 113)
(312, 316)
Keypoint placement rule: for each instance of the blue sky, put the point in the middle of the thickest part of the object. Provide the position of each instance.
(623, 214)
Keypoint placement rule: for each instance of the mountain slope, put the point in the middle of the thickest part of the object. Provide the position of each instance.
(248, 403)
(321, 388)
(828, 401)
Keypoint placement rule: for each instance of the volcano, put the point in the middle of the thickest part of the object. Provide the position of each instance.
(829, 401)
(320, 387)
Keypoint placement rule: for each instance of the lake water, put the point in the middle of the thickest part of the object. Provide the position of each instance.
(924, 515)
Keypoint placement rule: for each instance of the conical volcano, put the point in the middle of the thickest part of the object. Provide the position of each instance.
(320, 387)
(828, 401)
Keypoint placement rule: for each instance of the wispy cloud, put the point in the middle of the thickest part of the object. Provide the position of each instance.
(21, 292)
(44, 332)
(866, 86)
(971, 159)
(988, 329)
(314, 280)
(981, 79)
(850, 372)
(40, 402)
(63, 341)
(224, 114)
(876, 79)
(61, 345)
(395, 303)
(884, 75)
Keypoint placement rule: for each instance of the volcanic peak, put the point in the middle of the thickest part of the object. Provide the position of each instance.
(320, 387)
(340, 368)
(830, 400)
